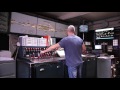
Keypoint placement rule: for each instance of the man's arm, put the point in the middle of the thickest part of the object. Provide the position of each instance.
(83, 48)
(51, 48)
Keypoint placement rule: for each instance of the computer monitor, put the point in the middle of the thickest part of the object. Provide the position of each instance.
(98, 47)
(87, 43)
(83, 28)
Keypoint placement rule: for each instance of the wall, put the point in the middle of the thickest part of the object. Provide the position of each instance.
(107, 23)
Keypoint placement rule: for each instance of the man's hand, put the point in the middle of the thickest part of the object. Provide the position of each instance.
(83, 49)
(42, 52)
(50, 48)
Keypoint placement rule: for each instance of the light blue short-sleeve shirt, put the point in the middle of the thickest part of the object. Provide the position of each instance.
(73, 49)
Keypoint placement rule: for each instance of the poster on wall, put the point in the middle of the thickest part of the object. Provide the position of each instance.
(115, 42)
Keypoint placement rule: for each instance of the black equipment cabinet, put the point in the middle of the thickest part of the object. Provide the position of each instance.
(57, 69)
(89, 69)
(8, 69)
(40, 70)
(49, 70)
(117, 72)
(43, 71)
(66, 71)
(24, 69)
(116, 52)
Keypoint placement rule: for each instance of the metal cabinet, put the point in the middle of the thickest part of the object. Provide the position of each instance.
(24, 70)
(66, 71)
(40, 70)
(50, 70)
(8, 69)
(58, 69)
(89, 67)
(104, 68)
(43, 71)
(24, 24)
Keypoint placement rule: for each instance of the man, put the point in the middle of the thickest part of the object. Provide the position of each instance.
(74, 47)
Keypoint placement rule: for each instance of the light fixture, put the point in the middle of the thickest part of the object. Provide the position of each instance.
(105, 29)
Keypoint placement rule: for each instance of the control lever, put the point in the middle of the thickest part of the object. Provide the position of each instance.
(18, 46)
(42, 55)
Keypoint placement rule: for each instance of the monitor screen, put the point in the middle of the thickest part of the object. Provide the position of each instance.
(98, 46)
(87, 43)
(109, 48)
(83, 28)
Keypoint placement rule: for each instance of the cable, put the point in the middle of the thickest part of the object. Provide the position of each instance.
(16, 52)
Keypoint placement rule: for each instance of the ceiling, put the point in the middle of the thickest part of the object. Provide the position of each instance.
(79, 17)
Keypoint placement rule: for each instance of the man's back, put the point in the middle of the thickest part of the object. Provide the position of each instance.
(73, 49)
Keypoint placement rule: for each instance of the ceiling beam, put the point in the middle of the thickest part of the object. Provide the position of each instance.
(72, 15)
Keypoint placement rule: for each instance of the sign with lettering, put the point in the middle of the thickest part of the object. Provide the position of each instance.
(104, 34)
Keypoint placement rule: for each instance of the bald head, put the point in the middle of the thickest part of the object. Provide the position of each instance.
(71, 28)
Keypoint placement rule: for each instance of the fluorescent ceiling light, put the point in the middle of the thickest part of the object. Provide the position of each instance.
(106, 29)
